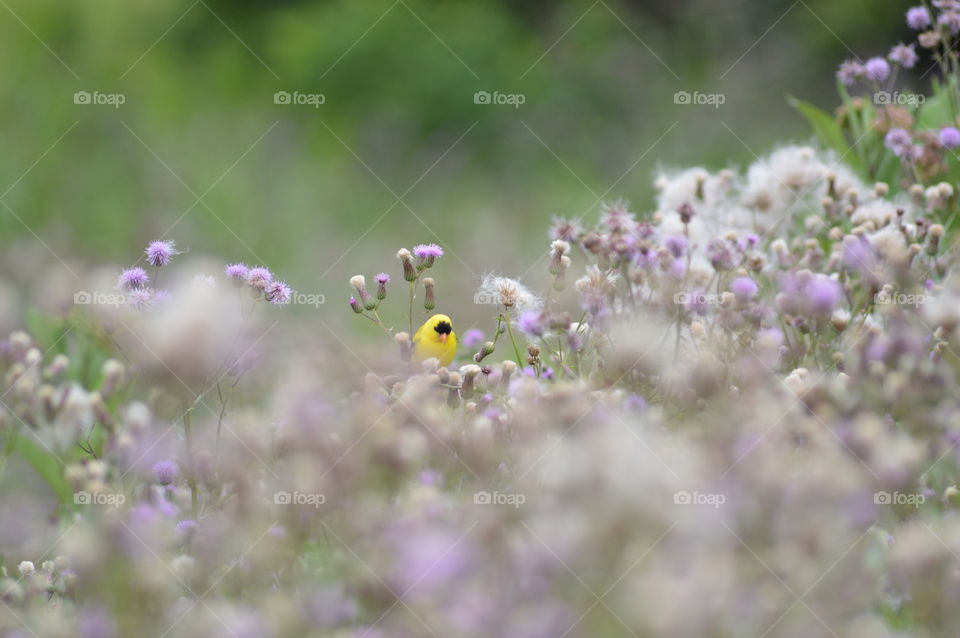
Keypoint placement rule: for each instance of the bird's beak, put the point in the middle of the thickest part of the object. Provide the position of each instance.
(443, 337)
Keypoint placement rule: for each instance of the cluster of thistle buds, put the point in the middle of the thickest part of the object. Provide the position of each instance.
(470, 387)
(40, 395)
(364, 301)
(414, 263)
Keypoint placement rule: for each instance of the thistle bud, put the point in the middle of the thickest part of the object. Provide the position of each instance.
(485, 351)
(453, 397)
(950, 494)
(686, 212)
(840, 319)
(429, 301)
(113, 372)
(558, 250)
(382, 280)
(929, 39)
(359, 284)
(57, 368)
(470, 373)
(560, 279)
(355, 305)
(409, 270)
(508, 368)
(403, 340)
(933, 238)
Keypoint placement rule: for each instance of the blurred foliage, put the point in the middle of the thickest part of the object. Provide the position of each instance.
(297, 187)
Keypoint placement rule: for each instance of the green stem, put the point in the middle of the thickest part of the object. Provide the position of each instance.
(516, 350)
(413, 285)
(191, 468)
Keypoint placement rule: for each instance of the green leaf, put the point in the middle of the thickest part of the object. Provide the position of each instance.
(46, 464)
(826, 128)
(934, 113)
(889, 168)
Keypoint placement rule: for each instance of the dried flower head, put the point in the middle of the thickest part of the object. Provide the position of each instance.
(506, 292)
(406, 259)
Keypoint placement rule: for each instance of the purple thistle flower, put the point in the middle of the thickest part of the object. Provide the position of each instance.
(259, 277)
(676, 244)
(532, 322)
(904, 55)
(278, 293)
(355, 305)
(160, 252)
(133, 279)
(678, 269)
(949, 137)
(918, 18)
(430, 477)
(858, 254)
(823, 295)
(140, 298)
(876, 69)
(382, 280)
(426, 254)
(950, 20)
(849, 72)
(568, 230)
(899, 141)
(472, 337)
(165, 472)
(635, 402)
(744, 288)
(237, 273)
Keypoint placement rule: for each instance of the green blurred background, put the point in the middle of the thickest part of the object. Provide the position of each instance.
(312, 192)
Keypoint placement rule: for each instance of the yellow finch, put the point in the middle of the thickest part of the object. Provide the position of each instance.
(435, 339)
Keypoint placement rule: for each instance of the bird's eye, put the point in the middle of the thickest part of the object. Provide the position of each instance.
(443, 327)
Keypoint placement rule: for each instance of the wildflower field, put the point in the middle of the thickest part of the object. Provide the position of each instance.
(728, 406)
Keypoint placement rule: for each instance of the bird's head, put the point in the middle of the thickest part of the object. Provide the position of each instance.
(442, 327)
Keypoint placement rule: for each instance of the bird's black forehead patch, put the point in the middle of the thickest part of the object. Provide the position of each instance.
(443, 327)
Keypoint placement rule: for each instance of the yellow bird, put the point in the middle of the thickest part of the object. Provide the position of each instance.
(435, 339)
